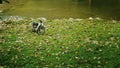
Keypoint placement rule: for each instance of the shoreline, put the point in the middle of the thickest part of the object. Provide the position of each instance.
(70, 18)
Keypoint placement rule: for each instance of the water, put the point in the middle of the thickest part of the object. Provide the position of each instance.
(108, 9)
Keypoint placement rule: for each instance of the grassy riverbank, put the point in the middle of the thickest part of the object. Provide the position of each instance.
(67, 43)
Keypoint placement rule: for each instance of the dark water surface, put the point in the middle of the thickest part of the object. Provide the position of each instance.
(109, 9)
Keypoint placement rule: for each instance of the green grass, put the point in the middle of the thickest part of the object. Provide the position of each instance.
(67, 43)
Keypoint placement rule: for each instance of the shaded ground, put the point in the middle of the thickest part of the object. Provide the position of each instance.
(72, 43)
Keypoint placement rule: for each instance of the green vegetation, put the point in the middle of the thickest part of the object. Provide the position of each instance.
(1, 1)
(67, 43)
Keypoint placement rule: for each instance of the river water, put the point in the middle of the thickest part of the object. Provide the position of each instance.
(108, 9)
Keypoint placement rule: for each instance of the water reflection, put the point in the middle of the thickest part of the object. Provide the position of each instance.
(68, 8)
(107, 8)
